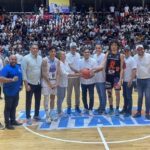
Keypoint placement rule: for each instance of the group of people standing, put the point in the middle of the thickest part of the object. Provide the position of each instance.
(55, 76)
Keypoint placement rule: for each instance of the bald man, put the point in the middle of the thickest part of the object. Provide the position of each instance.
(11, 72)
(6, 80)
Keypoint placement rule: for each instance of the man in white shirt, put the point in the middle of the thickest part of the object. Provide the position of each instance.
(100, 80)
(128, 77)
(87, 84)
(31, 68)
(143, 80)
(73, 59)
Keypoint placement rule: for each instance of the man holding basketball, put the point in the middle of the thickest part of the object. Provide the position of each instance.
(87, 80)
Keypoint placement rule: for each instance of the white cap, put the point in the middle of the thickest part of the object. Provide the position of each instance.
(73, 44)
(139, 46)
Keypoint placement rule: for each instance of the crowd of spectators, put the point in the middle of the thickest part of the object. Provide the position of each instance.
(18, 31)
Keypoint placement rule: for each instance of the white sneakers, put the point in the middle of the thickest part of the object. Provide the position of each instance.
(48, 120)
(1, 127)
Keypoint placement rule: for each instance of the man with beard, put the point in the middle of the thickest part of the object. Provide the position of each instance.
(11, 91)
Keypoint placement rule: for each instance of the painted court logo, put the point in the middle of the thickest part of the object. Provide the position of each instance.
(85, 121)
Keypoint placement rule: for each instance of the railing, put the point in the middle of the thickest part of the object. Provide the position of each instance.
(22, 13)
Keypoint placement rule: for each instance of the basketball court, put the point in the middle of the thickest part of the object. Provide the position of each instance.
(77, 132)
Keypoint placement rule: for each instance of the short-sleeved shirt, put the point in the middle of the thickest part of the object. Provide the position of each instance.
(130, 65)
(12, 88)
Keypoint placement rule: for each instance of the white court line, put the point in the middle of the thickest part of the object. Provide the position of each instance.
(85, 142)
(103, 138)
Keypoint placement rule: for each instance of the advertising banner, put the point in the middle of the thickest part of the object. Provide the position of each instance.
(59, 6)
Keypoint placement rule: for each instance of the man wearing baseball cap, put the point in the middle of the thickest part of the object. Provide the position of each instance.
(143, 80)
(73, 59)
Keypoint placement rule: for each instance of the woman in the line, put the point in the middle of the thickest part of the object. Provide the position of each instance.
(65, 72)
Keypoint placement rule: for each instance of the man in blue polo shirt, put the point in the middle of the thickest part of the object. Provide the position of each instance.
(11, 91)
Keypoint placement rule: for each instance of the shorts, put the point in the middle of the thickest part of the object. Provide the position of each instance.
(49, 91)
(113, 83)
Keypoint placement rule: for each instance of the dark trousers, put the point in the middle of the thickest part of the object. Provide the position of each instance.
(11, 103)
(127, 95)
(90, 89)
(36, 90)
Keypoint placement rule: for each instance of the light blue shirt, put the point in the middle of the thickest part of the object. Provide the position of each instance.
(31, 68)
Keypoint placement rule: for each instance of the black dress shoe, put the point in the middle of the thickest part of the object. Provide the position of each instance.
(9, 127)
(16, 123)
(36, 118)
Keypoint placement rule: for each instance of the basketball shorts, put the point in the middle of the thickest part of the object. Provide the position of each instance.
(113, 83)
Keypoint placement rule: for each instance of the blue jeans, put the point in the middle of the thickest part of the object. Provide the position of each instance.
(101, 90)
(143, 87)
(127, 95)
(61, 91)
(89, 88)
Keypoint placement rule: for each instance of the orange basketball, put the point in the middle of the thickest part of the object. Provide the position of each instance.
(86, 73)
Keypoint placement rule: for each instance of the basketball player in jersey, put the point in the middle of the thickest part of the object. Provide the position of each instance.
(50, 79)
(113, 64)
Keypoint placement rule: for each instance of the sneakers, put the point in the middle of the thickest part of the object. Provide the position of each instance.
(29, 121)
(9, 127)
(68, 110)
(62, 114)
(111, 111)
(127, 115)
(138, 114)
(123, 111)
(90, 112)
(16, 123)
(48, 120)
(1, 127)
(100, 112)
(36, 118)
(53, 116)
(77, 109)
(117, 112)
(85, 111)
(147, 116)
(96, 111)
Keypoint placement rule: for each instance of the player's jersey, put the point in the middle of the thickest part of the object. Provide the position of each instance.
(51, 71)
(113, 66)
